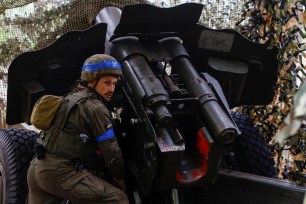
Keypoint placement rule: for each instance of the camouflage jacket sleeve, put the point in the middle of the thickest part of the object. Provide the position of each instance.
(103, 131)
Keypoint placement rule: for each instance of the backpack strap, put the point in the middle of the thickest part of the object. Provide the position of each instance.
(72, 101)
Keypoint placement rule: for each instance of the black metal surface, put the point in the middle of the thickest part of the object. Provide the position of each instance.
(51, 70)
(234, 187)
(203, 43)
(156, 96)
(213, 113)
(149, 96)
(154, 50)
(146, 18)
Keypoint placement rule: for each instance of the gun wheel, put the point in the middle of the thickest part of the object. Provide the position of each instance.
(251, 151)
(15, 157)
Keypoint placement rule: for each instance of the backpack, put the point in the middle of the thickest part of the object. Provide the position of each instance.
(44, 111)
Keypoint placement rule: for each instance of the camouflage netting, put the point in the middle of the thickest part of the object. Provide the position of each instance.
(27, 25)
(281, 24)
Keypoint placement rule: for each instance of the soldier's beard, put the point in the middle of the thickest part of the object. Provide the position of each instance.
(107, 96)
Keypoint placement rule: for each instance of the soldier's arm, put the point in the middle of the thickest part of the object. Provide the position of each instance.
(113, 157)
(107, 142)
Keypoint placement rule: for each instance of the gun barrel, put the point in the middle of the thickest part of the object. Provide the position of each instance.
(210, 110)
(155, 96)
(173, 88)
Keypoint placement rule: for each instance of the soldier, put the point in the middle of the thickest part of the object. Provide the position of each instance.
(57, 172)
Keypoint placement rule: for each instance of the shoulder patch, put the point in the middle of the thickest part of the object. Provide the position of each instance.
(109, 125)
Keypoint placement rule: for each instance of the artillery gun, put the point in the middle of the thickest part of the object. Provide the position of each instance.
(180, 81)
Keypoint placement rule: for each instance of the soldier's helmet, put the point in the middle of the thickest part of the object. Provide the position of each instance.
(100, 65)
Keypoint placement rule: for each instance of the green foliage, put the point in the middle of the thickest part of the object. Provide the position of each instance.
(2, 36)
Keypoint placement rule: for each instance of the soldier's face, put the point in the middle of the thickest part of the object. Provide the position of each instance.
(105, 86)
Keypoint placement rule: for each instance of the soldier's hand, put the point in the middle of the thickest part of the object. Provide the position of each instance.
(120, 184)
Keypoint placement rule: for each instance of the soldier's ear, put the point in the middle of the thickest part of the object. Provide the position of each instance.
(92, 83)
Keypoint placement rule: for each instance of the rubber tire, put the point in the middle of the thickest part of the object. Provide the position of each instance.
(15, 157)
(251, 151)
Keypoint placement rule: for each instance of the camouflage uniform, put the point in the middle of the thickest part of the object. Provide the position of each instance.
(60, 174)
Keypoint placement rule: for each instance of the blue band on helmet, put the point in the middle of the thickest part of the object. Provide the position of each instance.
(109, 134)
(106, 64)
